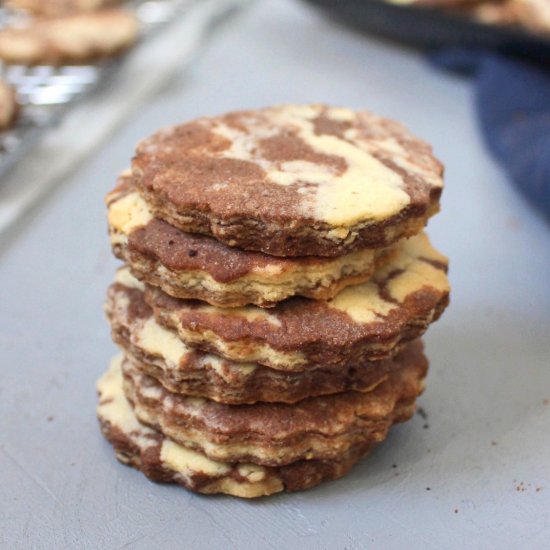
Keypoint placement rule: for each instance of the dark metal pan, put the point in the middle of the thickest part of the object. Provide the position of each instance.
(432, 28)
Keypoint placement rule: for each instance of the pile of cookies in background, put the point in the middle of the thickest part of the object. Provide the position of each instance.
(55, 52)
(275, 286)
(59, 32)
(530, 15)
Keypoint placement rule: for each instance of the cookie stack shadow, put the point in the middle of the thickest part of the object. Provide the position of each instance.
(270, 337)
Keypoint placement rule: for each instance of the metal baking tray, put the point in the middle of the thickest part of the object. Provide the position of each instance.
(431, 28)
(46, 93)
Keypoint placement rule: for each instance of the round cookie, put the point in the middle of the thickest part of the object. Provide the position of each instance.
(158, 352)
(534, 15)
(52, 8)
(366, 322)
(163, 460)
(187, 265)
(291, 180)
(9, 107)
(79, 38)
(276, 434)
(494, 12)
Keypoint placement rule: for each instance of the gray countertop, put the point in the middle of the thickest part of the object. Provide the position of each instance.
(474, 474)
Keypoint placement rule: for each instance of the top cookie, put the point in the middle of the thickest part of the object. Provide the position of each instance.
(291, 180)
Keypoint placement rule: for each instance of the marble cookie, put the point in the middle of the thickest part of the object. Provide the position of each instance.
(195, 266)
(157, 351)
(276, 434)
(365, 322)
(291, 180)
(163, 460)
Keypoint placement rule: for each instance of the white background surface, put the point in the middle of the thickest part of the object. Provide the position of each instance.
(60, 486)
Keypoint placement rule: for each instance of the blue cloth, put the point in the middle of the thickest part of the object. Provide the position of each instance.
(513, 105)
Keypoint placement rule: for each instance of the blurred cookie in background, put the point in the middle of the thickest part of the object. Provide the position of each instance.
(52, 8)
(9, 108)
(492, 13)
(75, 39)
(530, 15)
(533, 14)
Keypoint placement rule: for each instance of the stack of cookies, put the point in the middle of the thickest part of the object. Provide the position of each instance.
(275, 287)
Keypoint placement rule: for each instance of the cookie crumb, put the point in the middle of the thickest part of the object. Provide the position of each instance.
(50, 418)
(545, 401)
(426, 426)
(394, 465)
(456, 510)
(494, 443)
(428, 488)
(422, 412)
(514, 223)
